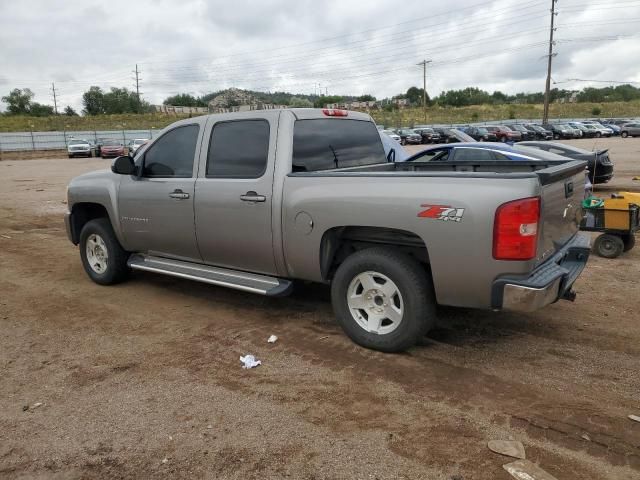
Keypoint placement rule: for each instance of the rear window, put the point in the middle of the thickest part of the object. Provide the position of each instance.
(328, 143)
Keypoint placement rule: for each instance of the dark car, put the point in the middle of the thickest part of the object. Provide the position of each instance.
(504, 133)
(111, 148)
(409, 136)
(526, 134)
(559, 130)
(599, 164)
(429, 135)
(539, 132)
(481, 134)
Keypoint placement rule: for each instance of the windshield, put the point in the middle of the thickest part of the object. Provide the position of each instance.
(482, 131)
(111, 143)
(76, 141)
(139, 142)
(504, 127)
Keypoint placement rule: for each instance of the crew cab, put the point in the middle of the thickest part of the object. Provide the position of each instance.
(257, 200)
(504, 133)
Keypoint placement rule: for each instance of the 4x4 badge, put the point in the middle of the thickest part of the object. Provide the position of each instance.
(446, 213)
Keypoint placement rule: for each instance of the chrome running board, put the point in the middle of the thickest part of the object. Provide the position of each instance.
(248, 282)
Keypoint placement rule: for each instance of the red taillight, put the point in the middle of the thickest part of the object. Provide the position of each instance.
(515, 230)
(332, 112)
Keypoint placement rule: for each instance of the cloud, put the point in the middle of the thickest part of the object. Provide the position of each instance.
(304, 46)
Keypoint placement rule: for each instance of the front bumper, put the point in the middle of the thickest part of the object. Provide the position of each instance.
(548, 283)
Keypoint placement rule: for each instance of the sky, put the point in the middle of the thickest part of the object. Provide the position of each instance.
(338, 47)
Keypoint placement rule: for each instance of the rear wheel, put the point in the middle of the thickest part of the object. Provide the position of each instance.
(503, 139)
(403, 141)
(598, 134)
(608, 246)
(383, 300)
(103, 258)
(624, 134)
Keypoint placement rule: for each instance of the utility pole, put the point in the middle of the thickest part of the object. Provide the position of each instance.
(137, 86)
(55, 100)
(545, 114)
(424, 87)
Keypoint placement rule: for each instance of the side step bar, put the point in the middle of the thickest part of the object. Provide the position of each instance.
(248, 282)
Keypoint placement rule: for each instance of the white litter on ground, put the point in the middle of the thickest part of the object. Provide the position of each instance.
(525, 470)
(510, 448)
(272, 339)
(250, 361)
(635, 418)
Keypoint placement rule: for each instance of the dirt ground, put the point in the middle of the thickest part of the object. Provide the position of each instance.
(142, 380)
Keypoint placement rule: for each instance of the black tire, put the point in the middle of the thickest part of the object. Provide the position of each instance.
(413, 284)
(403, 142)
(116, 263)
(556, 136)
(624, 134)
(503, 139)
(90, 155)
(608, 246)
(70, 156)
(598, 134)
(629, 241)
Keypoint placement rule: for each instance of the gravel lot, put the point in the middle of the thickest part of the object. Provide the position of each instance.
(142, 380)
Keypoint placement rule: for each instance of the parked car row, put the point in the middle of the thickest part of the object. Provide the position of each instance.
(517, 132)
(103, 147)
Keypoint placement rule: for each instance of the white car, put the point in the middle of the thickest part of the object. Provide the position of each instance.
(393, 135)
(79, 147)
(602, 131)
(135, 144)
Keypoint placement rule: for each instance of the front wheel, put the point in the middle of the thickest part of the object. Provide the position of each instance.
(608, 246)
(383, 300)
(624, 134)
(503, 139)
(598, 134)
(103, 258)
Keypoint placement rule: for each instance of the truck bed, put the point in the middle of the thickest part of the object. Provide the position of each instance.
(546, 171)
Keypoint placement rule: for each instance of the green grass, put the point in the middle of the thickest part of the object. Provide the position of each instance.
(406, 117)
(486, 113)
(146, 121)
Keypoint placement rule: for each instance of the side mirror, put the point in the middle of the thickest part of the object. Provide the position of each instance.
(123, 165)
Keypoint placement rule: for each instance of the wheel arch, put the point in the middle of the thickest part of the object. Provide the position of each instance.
(83, 212)
(339, 242)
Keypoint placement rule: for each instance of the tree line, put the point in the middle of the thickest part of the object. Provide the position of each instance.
(96, 101)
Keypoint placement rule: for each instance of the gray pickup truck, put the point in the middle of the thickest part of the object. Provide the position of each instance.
(255, 200)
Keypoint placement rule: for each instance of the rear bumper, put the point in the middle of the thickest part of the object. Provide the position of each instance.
(548, 283)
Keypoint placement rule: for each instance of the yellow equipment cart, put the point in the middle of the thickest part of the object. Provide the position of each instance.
(618, 219)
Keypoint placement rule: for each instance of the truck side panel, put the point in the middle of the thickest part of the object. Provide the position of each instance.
(453, 216)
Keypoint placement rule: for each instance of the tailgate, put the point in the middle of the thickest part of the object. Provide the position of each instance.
(561, 206)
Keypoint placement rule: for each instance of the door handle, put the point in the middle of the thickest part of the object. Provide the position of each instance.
(253, 197)
(179, 194)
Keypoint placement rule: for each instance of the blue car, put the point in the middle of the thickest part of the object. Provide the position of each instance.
(481, 151)
(489, 152)
(616, 129)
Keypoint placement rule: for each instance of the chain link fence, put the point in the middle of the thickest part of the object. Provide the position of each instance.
(40, 141)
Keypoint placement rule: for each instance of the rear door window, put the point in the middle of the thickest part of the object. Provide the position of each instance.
(238, 149)
(329, 143)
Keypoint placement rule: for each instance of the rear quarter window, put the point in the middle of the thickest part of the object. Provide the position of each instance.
(329, 143)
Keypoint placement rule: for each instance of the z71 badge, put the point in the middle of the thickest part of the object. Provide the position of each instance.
(446, 213)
